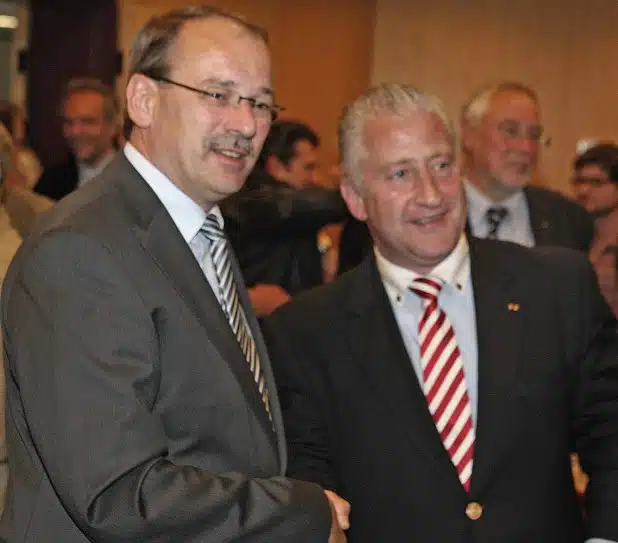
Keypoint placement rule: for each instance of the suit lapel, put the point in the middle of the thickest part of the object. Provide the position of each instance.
(373, 336)
(500, 340)
(160, 238)
(542, 228)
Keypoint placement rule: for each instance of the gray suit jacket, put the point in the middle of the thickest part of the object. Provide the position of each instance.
(131, 412)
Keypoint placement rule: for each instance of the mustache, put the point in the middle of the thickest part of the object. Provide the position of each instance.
(235, 142)
(81, 139)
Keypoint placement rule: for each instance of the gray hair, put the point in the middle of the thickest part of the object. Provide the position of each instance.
(151, 48)
(392, 98)
(91, 84)
(475, 109)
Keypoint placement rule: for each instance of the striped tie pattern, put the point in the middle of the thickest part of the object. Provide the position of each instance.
(230, 302)
(443, 379)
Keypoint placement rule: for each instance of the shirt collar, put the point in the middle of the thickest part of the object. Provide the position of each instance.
(478, 204)
(454, 270)
(91, 170)
(186, 214)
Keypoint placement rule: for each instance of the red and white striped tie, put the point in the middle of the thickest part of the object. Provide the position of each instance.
(443, 379)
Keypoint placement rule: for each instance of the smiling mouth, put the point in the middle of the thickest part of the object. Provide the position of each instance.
(230, 153)
(430, 220)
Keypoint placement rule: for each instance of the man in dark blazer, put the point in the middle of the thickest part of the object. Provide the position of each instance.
(134, 411)
(59, 179)
(447, 418)
(501, 136)
(90, 128)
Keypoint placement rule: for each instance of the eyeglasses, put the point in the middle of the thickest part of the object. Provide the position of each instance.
(594, 182)
(225, 98)
(511, 130)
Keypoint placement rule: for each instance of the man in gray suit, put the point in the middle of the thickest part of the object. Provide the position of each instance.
(141, 402)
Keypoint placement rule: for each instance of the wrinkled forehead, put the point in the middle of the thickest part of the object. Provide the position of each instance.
(84, 102)
(216, 48)
(515, 106)
(412, 134)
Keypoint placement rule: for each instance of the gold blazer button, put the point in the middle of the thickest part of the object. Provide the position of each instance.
(474, 510)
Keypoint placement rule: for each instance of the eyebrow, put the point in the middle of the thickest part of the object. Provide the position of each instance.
(231, 84)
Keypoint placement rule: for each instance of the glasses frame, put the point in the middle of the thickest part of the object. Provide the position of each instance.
(275, 109)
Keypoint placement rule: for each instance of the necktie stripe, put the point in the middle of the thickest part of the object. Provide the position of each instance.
(453, 408)
(430, 325)
(440, 340)
(460, 432)
(231, 304)
(443, 379)
(463, 449)
(445, 400)
(432, 374)
(441, 395)
(457, 433)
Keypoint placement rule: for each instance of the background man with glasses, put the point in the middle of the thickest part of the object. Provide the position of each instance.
(142, 405)
(595, 186)
(501, 136)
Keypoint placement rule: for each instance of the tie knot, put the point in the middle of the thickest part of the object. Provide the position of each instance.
(427, 288)
(212, 229)
(495, 215)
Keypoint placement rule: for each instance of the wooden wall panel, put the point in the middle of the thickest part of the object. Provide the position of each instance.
(321, 52)
(565, 49)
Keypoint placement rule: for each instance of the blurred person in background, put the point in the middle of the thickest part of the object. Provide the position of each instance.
(595, 186)
(90, 127)
(25, 166)
(501, 137)
(275, 221)
(10, 241)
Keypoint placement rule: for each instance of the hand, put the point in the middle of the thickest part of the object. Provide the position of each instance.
(336, 532)
(266, 298)
(330, 264)
(341, 509)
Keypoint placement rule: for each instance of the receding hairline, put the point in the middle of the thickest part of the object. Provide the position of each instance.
(221, 23)
(386, 99)
(475, 108)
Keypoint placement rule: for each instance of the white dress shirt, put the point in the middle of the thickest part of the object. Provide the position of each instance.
(456, 299)
(186, 214)
(514, 227)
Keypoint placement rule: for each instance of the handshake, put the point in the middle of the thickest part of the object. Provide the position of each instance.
(341, 521)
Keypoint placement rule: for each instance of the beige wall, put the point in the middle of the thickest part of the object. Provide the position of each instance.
(566, 49)
(321, 51)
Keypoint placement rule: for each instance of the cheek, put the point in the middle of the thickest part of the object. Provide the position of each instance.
(260, 136)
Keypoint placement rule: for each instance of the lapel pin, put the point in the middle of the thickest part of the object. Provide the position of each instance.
(512, 306)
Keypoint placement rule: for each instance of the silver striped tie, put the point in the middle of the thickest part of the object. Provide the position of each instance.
(229, 300)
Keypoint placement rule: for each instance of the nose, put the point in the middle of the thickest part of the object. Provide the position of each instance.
(580, 191)
(74, 128)
(428, 191)
(242, 119)
(524, 143)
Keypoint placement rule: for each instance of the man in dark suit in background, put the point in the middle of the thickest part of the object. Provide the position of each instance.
(274, 222)
(141, 403)
(90, 127)
(440, 386)
(501, 135)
